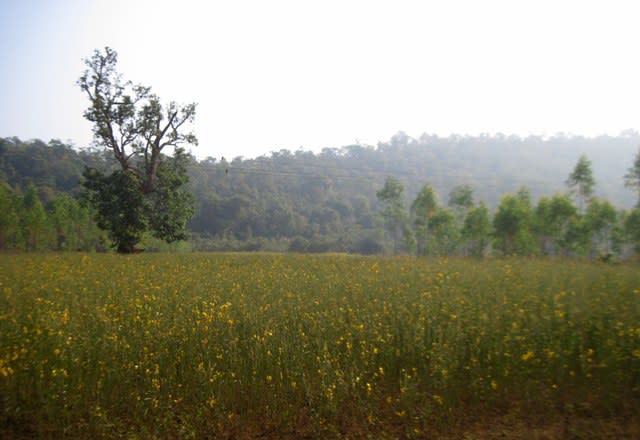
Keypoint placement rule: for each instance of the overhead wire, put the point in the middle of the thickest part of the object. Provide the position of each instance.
(366, 175)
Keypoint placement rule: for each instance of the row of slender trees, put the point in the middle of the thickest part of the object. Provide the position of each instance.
(573, 223)
(63, 224)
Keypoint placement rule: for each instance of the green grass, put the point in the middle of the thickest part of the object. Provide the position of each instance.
(215, 346)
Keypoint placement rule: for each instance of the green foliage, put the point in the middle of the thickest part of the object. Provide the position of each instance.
(552, 220)
(600, 220)
(632, 178)
(9, 219)
(422, 209)
(632, 228)
(51, 165)
(581, 180)
(461, 201)
(33, 220)
(443, 233)
(393, 194)
(119, 206)
(65, 224)
(436, 229)
(477, 230)
(395, 215)
(170, 206)
(512, 224)
(73, 225)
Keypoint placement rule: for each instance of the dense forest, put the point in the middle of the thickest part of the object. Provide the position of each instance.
(483, 195)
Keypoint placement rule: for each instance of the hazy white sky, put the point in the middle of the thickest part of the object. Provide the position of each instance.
(279, 74)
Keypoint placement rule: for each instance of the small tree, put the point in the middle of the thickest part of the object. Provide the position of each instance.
(395, 215)
(477, 229)
(423, 208)
(444, 232)
(581, 181)
(34, 220)
(146, 193)
(9, 219)
(632, 178)
(632, 228)
(552, 218)
(512, 224)
(600, 220)
(461, 201)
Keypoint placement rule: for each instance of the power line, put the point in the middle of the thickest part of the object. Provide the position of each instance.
(490, 181)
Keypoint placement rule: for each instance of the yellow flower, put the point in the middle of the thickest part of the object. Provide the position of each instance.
(527, 356)
(5, 370)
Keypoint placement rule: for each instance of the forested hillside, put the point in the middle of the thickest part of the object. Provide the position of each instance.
(330, 201)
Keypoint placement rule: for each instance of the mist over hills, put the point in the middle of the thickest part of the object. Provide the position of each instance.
(492, 165)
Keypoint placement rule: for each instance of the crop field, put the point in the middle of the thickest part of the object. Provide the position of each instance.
(294, 346)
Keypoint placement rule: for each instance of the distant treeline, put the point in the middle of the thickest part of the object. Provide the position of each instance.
(457, 195)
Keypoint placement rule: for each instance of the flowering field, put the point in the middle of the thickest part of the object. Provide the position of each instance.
(291, 346)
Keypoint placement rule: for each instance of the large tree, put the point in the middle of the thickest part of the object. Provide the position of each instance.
(146, 192)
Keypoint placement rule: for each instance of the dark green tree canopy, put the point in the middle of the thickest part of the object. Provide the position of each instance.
(146, 193)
